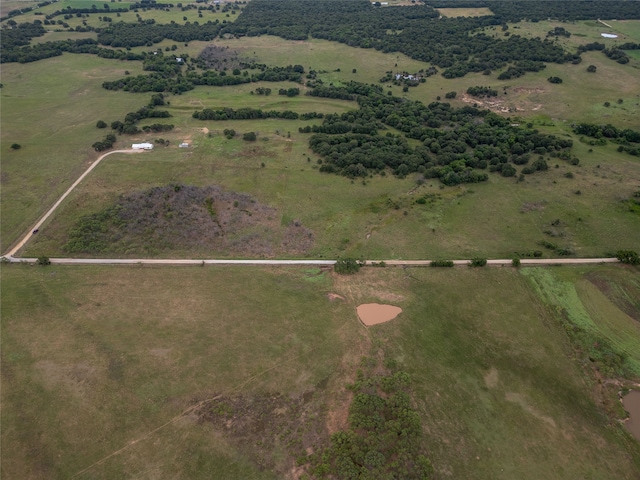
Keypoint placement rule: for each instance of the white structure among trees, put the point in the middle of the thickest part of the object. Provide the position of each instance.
(142, 146)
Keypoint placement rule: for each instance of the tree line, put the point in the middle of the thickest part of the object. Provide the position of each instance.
(177, 84)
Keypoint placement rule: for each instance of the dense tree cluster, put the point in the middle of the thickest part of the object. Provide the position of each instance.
(20, 34)
(516, 10)
(384, 435)
(473, 141)
(133, 35)
(69, 11)
(243, 114)
(416, 31)
(177, 84)
(481, 92)
(33, 53)
(558, 32)
(520, 68)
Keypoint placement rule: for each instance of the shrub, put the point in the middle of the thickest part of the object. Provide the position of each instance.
(554, 80)
(630, 257)
(42, 260)
(515, 262)
(249, 136)
(450, 95)
(15, 146)
(441, 263)
(347, 266)
(478, 262)
(101, 124)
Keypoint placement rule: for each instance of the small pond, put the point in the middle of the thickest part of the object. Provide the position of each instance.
(375, 313)
(631, 402)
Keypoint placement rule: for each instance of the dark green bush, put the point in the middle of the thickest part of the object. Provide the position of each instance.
(347, 266)
(441, 263)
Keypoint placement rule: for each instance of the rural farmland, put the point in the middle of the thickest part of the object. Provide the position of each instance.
(336, 239)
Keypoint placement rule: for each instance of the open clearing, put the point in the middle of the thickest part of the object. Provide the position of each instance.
(122, 351)
(465, 12)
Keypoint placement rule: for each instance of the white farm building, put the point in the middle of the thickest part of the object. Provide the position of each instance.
(142, 146)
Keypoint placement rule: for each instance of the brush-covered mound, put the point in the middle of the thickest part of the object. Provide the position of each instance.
(188, 218)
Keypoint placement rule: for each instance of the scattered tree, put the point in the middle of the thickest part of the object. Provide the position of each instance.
(101, 124)
(15, 146)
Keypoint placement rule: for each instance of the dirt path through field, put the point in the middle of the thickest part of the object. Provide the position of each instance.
(33, 229)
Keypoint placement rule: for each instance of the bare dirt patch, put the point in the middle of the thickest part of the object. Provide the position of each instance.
(491, 378)
(375, 313)
(532, 207)
(517, 100)
(334, 296)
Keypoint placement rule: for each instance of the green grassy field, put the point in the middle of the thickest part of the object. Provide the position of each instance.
(174, 14)
(50, 108)
(97, 357)
(350, 219)
(497, 219)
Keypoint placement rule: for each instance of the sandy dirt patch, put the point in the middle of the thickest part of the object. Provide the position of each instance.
(334, 296)
(491, 378)
(375, 313)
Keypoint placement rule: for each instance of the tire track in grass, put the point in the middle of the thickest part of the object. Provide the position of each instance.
(208, 400)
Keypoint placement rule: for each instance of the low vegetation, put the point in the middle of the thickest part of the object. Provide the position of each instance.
(177, 216)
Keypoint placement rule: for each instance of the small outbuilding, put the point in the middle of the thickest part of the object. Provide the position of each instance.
(142, 146)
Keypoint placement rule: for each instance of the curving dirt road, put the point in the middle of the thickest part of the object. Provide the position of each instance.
(30, 233)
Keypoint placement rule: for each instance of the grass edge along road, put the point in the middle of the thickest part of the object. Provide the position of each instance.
(44, 218)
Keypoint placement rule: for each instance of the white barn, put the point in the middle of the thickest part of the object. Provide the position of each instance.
(142, 146)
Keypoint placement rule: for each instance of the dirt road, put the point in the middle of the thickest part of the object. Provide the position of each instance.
(389, 263)
(43, 219)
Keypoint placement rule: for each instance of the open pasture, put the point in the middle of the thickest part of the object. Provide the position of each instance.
(379, 219)
(104, 369)
(50, 108)
(347, 218)
(465, 12)
(174, 14)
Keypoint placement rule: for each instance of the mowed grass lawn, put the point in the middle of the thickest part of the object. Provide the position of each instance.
(95, 359)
